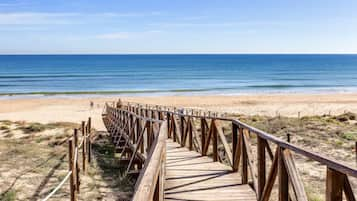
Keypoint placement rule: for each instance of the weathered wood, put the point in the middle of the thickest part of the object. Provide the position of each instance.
(271, 177)
(250, 159)
(283, 178)
(294, 176)
(196, 142)
(76, 149)
(196, 177)
(140, 139)
(244, 159)
(71, 168)
(282, 162)
(84, 148)
(223, 139)
(234, 146)
(203, 135)
(208, 140)
(334, 185)
(313, 156)
(149, 177)
(190, 136)
(214, 141)
(261, 166)
(238, 150)
(348, 190)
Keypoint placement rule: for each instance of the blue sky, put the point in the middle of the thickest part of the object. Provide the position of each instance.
(178, 26)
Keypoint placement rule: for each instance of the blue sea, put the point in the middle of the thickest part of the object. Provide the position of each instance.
(176, 74)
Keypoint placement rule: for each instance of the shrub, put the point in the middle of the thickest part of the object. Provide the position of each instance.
(350, 136)
(9, 196)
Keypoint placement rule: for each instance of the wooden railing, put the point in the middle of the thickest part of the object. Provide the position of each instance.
(261, 157)
(141, 142)
(74, 169)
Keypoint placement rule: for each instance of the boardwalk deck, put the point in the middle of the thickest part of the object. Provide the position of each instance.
(190, 176)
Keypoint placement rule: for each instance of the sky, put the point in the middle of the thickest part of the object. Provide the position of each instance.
(177, 26)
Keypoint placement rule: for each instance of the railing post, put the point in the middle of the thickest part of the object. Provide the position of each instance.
(182, 128)
(283, 178)
(189, 129)
(244, 159)
(168, 118)
(214, 141)
(76, 162)
(234, 145)
(334, 185)
(89, 124)
(203, 135)
(84, 147)
(173, 123)
(72, 188)
(261, 166)
(89, 144)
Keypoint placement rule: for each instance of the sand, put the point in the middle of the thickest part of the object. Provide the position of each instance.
(76, 108)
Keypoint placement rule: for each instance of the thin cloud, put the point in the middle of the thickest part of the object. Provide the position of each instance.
(116, 36)
(43, 18)
(126, 35)
(33, 18)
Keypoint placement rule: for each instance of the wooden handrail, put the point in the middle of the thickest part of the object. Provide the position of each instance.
(153, 173)
(322, 159)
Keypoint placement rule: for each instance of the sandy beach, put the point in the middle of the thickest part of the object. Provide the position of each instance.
(75, 109)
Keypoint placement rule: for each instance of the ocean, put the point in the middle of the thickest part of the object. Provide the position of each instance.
(176, 74)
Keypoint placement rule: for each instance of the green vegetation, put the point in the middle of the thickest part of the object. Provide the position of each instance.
(350, 136)
(5, 122)
(4, 127)
(8, 196)
(35, 127)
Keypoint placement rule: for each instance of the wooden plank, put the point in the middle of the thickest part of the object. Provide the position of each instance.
(234, 146)
(214, 141)
(271, 178)
(196, 177)
(334, 185)
(283, 178)
(261, 166)
(208, 140)
(294, 176)
(244, 160)
(238, 150)
(250, 159)
(203, 135)
(196, 142)
(223, 139)
(149, 176)
(348, 190)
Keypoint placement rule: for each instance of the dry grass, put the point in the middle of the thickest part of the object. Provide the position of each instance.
(330, 136)
(34, 160)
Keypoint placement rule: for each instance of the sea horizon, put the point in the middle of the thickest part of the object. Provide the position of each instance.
(176, 74)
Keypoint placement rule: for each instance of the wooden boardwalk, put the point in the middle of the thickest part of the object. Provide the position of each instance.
(190, 176)
(167, 148)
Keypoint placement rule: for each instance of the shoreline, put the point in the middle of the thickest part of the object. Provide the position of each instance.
(162, 93)
(77, 108)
